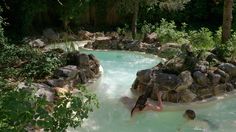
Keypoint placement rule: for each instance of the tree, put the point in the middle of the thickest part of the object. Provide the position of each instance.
(227, 20)
(132, 6)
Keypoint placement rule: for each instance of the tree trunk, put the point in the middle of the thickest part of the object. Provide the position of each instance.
(227, 20)
(135, 19)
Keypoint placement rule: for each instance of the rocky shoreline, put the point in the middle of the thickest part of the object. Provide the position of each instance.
(79, 69)
(185, 77)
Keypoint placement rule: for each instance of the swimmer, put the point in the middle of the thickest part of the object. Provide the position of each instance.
(143, 105)
(196, 123)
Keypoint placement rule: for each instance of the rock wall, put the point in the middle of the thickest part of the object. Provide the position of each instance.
(186, 78)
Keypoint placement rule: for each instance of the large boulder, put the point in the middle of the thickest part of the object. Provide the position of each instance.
(228, 68)
(186, 81)
(85, 35)
(200, 78)
(166, 81)
(214, 78)
(102, 43)
(187, 96)
(224, 76)
(50, 34)
(43, 90)
(68, 72)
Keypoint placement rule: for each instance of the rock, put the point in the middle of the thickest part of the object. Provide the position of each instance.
(44, 90)
(229, 87)
(89, 45)
(175, 65)
(50, 34)
(151, 38)
(99, 34)
(68, 72)
(113, 35)
(102, 43)
(233, 82)
(73, 58)
(37, 43)
(187, 96)
(167, 81)
(83, 60)
(200, 78)
(204, 93)
(202, 66)
(85, 35)
(171, 96)
(90, 74)
(56, 82)
(82, 76)
(186, 81)
(224, 76)
(143, 76)
(61, 91)
(214, 78)
(228, 68)
(219, 89)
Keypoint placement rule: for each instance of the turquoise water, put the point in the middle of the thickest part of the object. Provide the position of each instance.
(119, 72)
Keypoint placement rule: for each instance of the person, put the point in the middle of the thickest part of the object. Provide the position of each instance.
(196, 123)
(143, 105)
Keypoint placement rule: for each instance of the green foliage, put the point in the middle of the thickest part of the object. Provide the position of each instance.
(147, 28)
(20, 108)
(27, 62)
(202, 39)
(2, 38)
(167, 32)
(42, 65)
(123, 30)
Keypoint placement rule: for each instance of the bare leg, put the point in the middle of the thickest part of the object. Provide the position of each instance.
(159, 104)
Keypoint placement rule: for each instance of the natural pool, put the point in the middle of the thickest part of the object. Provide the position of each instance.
(119, 72)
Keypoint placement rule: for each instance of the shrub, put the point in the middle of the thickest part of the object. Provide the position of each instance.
(202, 39)
(167, 32)
(42, 65)
(20, 108)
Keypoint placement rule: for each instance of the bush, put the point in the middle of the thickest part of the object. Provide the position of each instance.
(167, 32)
(42, 65)
(20, 108)
(28, 62)
(202, 39)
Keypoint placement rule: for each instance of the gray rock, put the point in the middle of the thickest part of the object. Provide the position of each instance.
(219, 89)
(200, 78)
(44, 90)
(167, 81)
(143, 76)
(102, 43)
(229, 87)
(187, 96)
(37, 43)
(56, 82)
(85, 35)
(228, 68)
(50, 34)
(204, 93)
(82, 76)
(224, 76)
(68, 72)
(186, 81)
(214, 78)
(83, 60)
